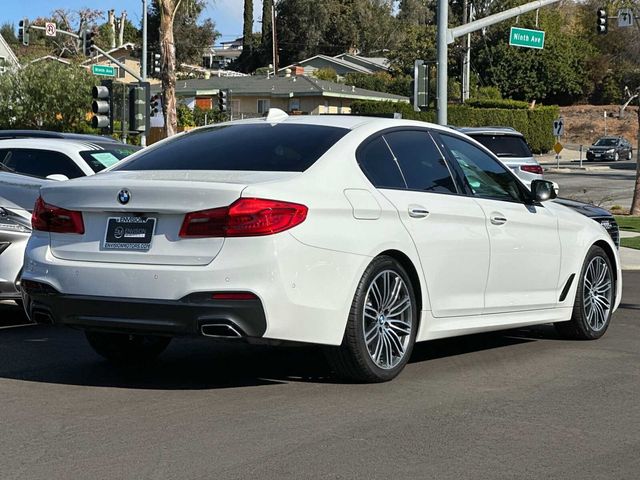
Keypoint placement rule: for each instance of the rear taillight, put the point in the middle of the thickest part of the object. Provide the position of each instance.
(246, 217)
(49, 218)
(537, 169)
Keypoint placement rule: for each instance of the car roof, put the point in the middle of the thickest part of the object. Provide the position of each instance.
(54, 144)
(49, 134)
(350, 122)
(489, 131)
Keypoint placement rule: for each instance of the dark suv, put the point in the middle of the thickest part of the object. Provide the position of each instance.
(610, 148)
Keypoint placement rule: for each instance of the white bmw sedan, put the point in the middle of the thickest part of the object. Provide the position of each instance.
(361, 234)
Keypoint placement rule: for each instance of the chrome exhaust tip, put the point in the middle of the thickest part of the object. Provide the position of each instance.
(220, 330)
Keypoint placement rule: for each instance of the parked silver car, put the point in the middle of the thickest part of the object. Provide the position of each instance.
(510, 146)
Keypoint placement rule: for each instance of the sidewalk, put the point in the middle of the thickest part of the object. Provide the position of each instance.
(629, 257)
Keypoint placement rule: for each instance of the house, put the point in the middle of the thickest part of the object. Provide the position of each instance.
(219, 57)
(342, 64)
(252, 96)
(8, 59)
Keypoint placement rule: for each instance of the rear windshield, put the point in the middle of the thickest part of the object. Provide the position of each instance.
(252, 147)
(504, 145)
(98, 160)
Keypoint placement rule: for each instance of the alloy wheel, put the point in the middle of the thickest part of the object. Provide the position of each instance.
(387, 319)
(597, 293)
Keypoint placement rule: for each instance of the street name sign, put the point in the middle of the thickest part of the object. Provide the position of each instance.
(50, 29)
(525, 37)
(104, 70)
(558, 127)
(625, 17)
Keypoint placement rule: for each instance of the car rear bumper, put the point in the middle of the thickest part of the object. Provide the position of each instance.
(194, 314)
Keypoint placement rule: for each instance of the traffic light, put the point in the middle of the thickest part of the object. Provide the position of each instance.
(88, 41)
(102, 106)
(154, 64)
(155, 105)
(602, 22)
(223, 100)
(23, 31)
(420, 85)
(138, 108)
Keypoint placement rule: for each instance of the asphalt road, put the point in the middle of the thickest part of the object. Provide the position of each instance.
(607, 187)
(517, 404)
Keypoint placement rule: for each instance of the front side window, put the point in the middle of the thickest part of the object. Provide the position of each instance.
(485, 176)
(422, 164)
(250, 147)
(40, 163)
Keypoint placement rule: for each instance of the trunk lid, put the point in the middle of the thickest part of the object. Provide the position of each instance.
(164, 196)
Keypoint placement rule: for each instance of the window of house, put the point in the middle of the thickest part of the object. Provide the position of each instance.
(264, 104)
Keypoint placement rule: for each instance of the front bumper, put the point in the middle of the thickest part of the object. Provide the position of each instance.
(185, 316)
(601, 156)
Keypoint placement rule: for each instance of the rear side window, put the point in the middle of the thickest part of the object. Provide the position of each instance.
(40, 163)
(251, 147)
(98, 160)
(505, 146)
(378, 164)
(421, 162)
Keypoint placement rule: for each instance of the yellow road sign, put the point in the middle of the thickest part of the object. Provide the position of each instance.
(557, 147)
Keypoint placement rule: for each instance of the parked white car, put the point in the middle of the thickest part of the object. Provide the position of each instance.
(362, 234)
(25, 165)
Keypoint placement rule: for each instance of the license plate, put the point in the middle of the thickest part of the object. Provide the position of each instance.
(597, 155)
(129, 233)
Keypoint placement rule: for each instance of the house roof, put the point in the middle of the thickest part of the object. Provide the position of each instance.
(346, 60)
(126, 47)
(297, 86)
(12, 56)
(50, 58)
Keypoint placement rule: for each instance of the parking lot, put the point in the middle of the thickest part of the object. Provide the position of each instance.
(516, 404)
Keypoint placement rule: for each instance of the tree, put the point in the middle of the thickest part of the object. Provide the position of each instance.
(131, 35)
(247, 34)
(266, 40)
(8, 32)
(168, 10)
(47, 95)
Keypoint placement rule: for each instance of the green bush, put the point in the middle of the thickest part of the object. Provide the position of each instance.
(487, 93)
(497, 103)
(535, 124)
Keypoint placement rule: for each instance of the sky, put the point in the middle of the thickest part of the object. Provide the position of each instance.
(227, 14)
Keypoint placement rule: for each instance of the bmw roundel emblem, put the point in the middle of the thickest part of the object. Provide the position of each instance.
(124, 196)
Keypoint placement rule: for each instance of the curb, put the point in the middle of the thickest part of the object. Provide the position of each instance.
(570, 169)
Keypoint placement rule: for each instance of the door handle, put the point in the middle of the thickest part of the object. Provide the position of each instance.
(497, 219)
(417, 211)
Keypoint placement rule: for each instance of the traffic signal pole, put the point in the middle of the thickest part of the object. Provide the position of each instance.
(447, 35)
(143, 135)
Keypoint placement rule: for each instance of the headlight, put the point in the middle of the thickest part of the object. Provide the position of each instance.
(611, 150)
(11, 222)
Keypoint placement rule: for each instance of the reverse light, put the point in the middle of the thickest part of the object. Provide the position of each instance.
(537, 169)
(49, 218)
(246, 217)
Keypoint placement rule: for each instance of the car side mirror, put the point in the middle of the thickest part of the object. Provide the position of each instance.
(57, 176)
(543, 190)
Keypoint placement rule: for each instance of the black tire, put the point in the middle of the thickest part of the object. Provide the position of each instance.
(580, 327)
(125, 349)
(352, 359)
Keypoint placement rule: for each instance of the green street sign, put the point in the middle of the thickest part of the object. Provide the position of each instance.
(105, 70)
(524, 37)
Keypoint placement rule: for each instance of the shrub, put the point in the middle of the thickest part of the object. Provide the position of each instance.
(535, 124)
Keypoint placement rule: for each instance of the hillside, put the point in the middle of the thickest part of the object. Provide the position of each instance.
(585, 123)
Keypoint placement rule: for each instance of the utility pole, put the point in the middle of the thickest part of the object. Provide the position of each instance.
(446, 35)
(143, 135)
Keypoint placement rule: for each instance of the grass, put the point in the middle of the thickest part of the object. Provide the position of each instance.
(631, 242)
(629, 223)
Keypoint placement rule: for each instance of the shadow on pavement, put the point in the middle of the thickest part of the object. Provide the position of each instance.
(40, 353)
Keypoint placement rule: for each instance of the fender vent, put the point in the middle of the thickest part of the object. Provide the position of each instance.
(566, 288)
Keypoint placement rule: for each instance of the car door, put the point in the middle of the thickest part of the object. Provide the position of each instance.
(525, 242)
(447, 227)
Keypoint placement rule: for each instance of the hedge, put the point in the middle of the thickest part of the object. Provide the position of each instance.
(535, 124)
